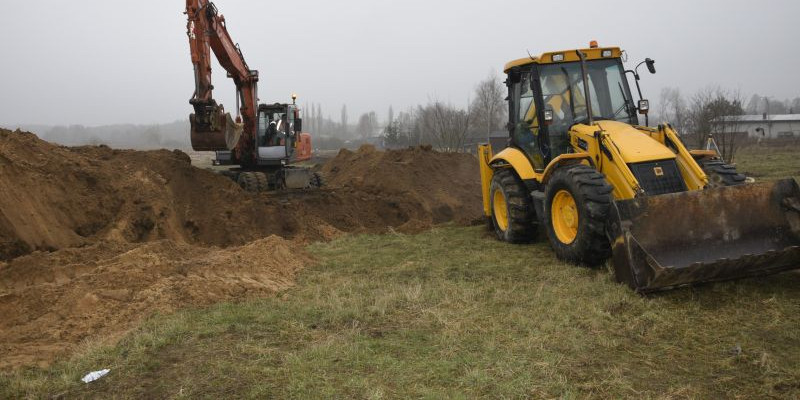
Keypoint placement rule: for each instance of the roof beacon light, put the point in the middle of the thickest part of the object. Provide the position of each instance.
(593, 44)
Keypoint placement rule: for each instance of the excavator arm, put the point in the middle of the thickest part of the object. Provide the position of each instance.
(211, 127)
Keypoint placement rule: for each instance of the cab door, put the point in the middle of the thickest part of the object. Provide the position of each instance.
(527, 134)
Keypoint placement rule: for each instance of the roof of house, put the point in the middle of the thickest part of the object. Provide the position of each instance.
(760, 118)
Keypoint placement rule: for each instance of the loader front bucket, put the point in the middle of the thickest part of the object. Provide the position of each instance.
(661, 242)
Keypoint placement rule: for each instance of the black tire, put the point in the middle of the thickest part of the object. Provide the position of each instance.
(262, 181)
(721, 174)
(316, 180)
(520, 222)
(248, 181)
(592, 199)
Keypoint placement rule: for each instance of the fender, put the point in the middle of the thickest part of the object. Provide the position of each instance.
(565, 159)
(517, 160)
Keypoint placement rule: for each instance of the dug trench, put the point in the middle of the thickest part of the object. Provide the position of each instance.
(94, 239)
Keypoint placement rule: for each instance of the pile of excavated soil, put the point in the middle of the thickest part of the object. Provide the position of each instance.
(57, 197)
(52, 301)
(418, 186)
(93, 239)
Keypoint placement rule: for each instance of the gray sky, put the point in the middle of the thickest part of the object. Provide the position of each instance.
(99, 62)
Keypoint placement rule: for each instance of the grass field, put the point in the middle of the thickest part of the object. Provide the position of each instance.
(452, 313)
(770, 162)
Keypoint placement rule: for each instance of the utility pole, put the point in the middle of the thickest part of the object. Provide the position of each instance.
(766, 118)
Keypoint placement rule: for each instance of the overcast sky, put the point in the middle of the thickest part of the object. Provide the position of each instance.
(98, 62)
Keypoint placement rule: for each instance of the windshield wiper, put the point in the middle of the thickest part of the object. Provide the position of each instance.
(624, 105)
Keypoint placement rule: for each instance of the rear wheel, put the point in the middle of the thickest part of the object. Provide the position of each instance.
(577, 203)
(253, 181)
(262, 180)
(512, 210)
(316, 180)
(721, 174)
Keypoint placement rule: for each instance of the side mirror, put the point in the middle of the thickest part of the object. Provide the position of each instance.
(548, 115)
(644, 106)
(298, 125)
(650, 65)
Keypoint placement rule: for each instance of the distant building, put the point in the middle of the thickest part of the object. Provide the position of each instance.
(763, 126)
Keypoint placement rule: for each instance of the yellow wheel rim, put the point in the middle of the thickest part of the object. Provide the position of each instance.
(564, 214)
(500, 210)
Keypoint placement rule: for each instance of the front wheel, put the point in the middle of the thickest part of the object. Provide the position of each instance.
(721, 174)
(576, 208)
(253, 181)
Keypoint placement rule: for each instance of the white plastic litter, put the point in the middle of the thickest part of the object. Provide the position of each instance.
(95, 375)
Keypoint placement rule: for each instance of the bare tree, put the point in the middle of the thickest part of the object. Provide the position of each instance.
(444, 126)
(755, 105)
(373, 122)
(489, 104)
(717, 112)
(403, 130)
(794, 108)
(367, 123)
(319, 122)
(672, 109)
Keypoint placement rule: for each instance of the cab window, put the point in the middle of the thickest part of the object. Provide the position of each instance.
(526, 126)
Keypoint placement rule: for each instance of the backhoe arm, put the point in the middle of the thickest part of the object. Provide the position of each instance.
(212, 128)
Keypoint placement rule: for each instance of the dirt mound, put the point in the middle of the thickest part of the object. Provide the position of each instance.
(57, 197)
(52, 301)
(417, 185)
(96, 238)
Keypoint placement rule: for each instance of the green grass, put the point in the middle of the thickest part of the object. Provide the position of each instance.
(769, 162)
(452, 313)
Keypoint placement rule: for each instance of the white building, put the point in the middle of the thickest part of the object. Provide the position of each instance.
(764, 126)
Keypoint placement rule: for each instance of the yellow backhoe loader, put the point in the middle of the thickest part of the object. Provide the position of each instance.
(580, 167)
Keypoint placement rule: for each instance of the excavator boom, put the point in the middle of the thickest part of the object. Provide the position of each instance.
(212, 128)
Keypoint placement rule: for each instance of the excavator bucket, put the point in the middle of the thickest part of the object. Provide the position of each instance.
(221, 132)
(665, 241)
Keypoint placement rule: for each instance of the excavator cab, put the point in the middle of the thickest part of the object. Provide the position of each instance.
(279, 138)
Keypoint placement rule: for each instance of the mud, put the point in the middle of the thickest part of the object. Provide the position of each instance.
(94, 239)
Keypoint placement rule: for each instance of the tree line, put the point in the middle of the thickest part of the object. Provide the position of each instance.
(440, 124)
(711, 111)
(715, 112)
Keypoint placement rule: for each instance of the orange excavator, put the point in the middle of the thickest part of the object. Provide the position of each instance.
(264, 139)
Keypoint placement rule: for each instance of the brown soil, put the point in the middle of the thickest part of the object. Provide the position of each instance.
(52, 301)
(93, 239)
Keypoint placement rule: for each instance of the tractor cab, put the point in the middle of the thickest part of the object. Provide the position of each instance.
(547, 96)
